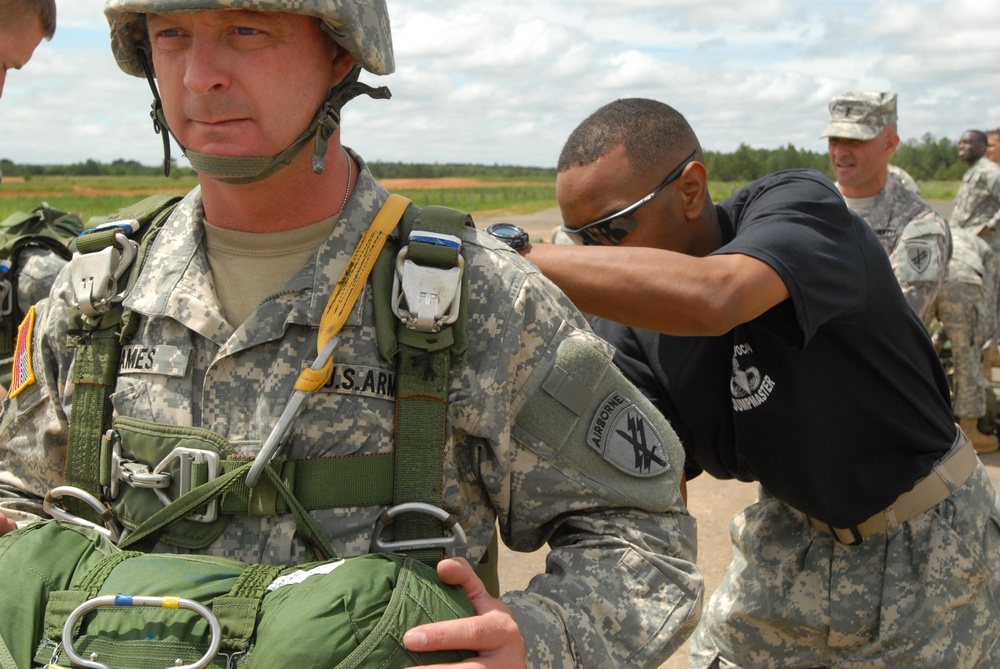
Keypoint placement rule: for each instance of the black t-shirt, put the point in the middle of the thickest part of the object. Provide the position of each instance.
(834, 400)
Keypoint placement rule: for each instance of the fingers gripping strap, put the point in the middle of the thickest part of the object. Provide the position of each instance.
(348, 288)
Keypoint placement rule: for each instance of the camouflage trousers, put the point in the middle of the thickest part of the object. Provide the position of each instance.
(925, 594)
(960, 308)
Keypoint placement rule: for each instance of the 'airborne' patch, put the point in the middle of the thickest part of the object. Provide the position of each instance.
(22, 374)
(624, 437)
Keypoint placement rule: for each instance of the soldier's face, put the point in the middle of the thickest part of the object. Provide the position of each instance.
(970, 148)
(860, 165)
(18, 41)
(588, 193)
(242, 83)
(993, 146)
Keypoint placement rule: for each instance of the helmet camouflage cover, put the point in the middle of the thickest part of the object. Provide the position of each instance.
(360, 26)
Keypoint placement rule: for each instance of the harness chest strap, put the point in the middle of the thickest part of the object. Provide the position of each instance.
(98, 347)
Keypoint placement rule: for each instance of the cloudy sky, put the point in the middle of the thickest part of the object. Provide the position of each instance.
(505, 81)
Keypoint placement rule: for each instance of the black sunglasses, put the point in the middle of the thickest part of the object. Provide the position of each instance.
(613, 228)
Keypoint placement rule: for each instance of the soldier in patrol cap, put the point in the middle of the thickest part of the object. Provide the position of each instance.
(542, 435)
(770, 330)
(862, 137)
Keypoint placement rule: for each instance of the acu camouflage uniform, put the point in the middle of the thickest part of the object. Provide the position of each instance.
(977, 205)
(968, 318)
(918, 242)
(621, 587)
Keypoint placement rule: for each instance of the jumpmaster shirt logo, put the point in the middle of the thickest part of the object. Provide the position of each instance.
(748, 387)
(626, 439)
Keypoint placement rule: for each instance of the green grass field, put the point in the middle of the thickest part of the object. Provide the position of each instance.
(99, 196)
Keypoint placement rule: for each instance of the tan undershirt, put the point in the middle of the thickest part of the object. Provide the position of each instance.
(249, 267)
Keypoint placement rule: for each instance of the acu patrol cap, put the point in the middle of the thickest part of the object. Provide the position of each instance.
(860, 114)
(360, 26)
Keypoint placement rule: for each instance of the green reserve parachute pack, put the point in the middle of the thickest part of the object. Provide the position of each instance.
(71, 597)
(46, 228)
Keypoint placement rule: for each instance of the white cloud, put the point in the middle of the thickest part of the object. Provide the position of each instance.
(506, 82)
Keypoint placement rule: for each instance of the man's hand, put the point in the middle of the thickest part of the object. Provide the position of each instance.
(492, 632)
(6, 525)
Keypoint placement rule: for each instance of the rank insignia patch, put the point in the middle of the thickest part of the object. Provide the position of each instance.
(22, 375)
(626, 439)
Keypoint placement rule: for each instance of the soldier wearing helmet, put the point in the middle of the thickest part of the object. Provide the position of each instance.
(543, 438)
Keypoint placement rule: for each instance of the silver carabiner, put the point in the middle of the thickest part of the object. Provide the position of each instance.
(130, 600)
(296, 403)
(448, 544)
(111, 529)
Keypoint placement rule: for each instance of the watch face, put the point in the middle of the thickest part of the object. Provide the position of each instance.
(510, 234)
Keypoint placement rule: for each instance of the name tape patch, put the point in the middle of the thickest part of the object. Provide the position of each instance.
(626, 439)
(156, 359)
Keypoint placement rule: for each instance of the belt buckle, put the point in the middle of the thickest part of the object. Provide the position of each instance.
(855, 534)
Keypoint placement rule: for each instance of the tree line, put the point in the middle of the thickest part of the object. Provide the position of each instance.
(926, 159)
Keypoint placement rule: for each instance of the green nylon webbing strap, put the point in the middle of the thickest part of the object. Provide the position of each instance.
(94, 378)
(319, 483)
(91, 583)
(145, 536)
(423, 376)
(237, 611)
(98, 350)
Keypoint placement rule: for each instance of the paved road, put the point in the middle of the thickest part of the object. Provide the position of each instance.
(712, 502)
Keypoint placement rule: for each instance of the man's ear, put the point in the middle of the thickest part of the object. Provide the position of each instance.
(693, 186)
(891, 143)
(343, 63)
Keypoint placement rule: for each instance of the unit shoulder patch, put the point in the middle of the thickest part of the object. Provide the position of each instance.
(626, 439)
(22, 374)
(918, 253)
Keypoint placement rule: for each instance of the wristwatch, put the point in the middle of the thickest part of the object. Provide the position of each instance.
(512, 235)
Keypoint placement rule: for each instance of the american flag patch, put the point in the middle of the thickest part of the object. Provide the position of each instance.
(23, 375)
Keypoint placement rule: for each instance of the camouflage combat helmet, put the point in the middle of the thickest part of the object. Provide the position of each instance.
(360, 26)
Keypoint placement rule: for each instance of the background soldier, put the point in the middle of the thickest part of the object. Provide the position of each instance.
(862, 137)
(968, 318)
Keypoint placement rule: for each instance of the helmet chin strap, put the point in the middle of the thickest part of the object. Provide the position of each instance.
(250, 169)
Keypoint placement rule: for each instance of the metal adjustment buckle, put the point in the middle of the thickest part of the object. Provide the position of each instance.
(186, 457)
(157, 479)
(427, 298)
(136, 474)
(95, 275)
(129, 600)
(449, 544)
(110, 529)
(6, 290)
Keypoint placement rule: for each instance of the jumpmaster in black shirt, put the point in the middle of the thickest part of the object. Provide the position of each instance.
(834, 400)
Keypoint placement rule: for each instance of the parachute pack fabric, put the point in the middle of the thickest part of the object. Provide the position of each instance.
(339, 613)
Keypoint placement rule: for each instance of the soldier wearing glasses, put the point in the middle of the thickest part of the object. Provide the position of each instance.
(772, 333)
